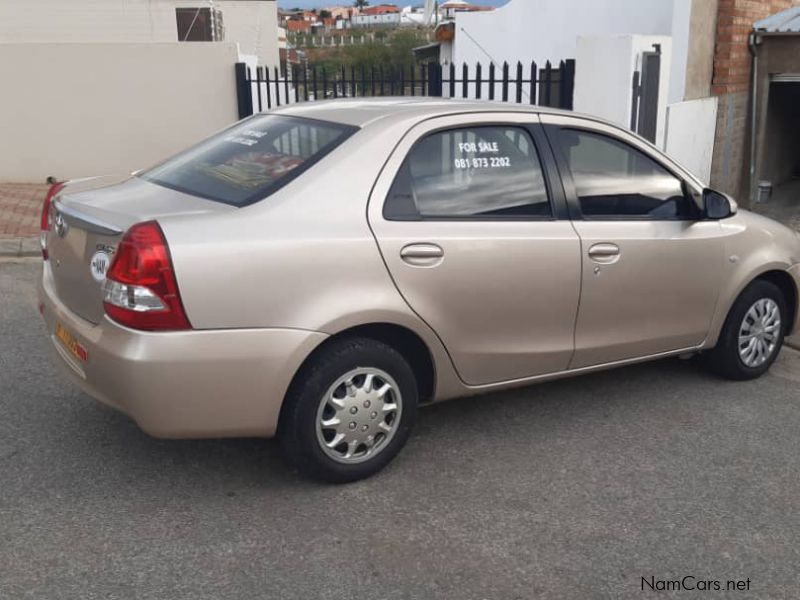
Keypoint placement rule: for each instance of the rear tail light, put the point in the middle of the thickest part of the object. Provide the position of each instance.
(46, 223)
(140, 290)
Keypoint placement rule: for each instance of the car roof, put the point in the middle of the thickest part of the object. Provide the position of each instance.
(361, 112)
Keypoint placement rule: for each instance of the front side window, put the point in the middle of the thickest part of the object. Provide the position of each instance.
(477, 172)
(251, 160)
(614, 180)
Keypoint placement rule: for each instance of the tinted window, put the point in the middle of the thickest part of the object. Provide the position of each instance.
(249, 161)
(613, 179)
(470, 173)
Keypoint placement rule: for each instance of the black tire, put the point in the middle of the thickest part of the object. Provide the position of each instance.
(297, 430)
(724, 359)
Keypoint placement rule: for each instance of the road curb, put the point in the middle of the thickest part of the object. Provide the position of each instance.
(19, 247)
(793, 342)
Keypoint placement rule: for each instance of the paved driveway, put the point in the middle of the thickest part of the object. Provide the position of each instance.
(20, 214)
(574, 489)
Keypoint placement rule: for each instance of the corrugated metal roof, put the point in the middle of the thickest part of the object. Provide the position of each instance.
(786, 21)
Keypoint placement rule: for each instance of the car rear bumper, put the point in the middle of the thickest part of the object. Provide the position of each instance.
(187, 384)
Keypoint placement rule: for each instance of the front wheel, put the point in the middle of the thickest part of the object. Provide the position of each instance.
(350, 411)
(752, 335)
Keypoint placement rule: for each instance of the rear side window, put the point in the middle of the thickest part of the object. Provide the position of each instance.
(615, 180)
(470, 173)
(250, 160)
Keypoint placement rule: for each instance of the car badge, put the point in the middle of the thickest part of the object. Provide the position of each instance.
(61, 225)
(98, 265)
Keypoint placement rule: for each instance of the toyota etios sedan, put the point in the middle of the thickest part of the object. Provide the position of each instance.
(318, 272)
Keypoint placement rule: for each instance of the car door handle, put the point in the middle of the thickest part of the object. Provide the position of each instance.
(422, 255)
(605, 253)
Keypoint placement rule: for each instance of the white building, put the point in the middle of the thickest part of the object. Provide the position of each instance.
(608, 39)
(386, 19)
(252, 24)
(116, 85)
(411, 15)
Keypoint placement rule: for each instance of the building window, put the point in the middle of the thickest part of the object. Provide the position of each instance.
(199, 25)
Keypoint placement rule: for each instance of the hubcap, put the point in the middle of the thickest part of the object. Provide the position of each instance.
(759, 332)
(359, 415)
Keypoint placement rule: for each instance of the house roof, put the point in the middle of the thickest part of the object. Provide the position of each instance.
(381, 9)
(298, 25)
(786, 21)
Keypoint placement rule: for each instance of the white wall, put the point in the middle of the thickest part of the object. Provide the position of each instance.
(546, 30)
(254, 26)
(543, 30)
(691, 127)
(368, 20)
(604, 75)
(73, 110)
(603, 72)
(681, 17)
(88, 20)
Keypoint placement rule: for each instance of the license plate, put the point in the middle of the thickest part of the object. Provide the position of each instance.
(70, 343)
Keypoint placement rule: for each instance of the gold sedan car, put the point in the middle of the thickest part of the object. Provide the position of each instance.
(318, 272)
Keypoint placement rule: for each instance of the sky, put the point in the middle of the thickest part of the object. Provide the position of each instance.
(324, 3)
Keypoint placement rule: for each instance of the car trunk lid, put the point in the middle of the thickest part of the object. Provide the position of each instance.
(89, 218)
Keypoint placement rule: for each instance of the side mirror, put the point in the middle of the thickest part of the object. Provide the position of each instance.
(717, 205)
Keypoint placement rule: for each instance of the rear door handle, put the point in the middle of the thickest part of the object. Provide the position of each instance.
(605, 253)
(422, 255)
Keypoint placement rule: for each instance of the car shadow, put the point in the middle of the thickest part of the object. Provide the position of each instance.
(242, 464)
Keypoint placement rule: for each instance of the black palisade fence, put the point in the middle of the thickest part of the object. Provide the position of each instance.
(264, 89)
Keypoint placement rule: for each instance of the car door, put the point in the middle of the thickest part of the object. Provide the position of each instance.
(478, 242)
(651, 263)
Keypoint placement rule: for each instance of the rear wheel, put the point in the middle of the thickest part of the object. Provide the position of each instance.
(752, 335)
(350, 411)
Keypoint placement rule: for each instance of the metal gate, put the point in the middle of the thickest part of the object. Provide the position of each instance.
(548, 86)
(644, 106)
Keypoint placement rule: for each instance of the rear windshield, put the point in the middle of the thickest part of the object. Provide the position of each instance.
(250, 160)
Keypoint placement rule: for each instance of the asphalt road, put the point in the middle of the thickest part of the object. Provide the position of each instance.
(574, 489)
